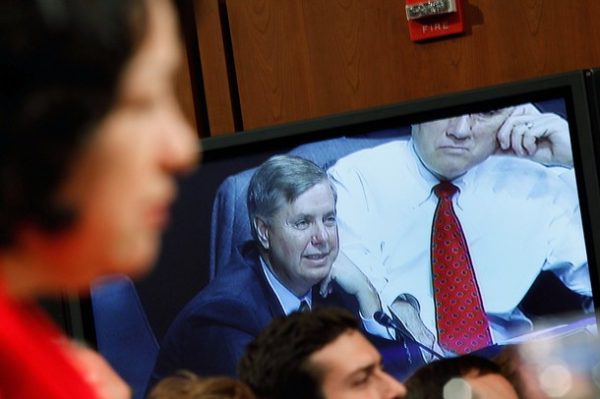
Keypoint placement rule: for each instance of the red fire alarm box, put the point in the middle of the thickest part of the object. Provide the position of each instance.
(434, 18)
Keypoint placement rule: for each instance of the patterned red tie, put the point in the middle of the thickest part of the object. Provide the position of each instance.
(461, 321)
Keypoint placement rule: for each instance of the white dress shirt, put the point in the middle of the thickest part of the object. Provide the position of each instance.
(519, 218)
(287, 299)
(290, 302)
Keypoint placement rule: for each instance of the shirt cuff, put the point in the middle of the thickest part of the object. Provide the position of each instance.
(374, 328)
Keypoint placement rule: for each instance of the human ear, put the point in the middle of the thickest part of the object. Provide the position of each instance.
(262, 232)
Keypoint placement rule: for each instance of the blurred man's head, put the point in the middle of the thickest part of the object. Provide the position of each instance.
(316, 355)
(460, 377)
(291, 205)
(450, 147)
(185, 384)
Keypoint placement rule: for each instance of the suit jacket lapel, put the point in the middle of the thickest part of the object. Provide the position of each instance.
(274, 307)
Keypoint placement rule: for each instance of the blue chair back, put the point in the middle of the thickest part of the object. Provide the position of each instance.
(123, 334)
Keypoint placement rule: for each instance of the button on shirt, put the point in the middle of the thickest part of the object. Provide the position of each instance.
(519, 218)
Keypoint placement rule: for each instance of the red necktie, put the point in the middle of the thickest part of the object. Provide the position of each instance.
(461, 321)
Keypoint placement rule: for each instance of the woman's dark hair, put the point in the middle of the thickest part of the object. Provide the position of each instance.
(60, 67)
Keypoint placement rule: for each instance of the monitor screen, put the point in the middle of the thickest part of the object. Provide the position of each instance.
(524, 184)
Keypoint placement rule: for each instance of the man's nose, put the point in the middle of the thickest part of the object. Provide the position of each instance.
(319, 234)
(459, 127)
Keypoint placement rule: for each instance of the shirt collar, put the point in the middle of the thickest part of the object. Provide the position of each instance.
(287, 299)
(429, 180)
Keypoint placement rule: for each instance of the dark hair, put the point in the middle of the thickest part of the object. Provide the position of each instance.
(60, 67)
(511, 363)
(185, 384)
(428, 381)
(280, 180)
(276, 364)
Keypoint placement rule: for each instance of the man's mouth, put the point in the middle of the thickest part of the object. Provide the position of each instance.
(453, 148)
(317, 256)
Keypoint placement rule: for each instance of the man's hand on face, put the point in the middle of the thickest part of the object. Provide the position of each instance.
(541, 137)
(354, 282)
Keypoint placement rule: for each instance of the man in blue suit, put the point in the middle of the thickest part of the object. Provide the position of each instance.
(292, 211)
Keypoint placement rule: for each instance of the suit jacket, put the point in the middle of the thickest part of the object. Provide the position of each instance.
(212, 331)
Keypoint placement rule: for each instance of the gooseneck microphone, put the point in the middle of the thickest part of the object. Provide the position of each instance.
(400, 329)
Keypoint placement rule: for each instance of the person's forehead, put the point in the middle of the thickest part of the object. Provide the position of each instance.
(306, 202)
(491, 385)
(159, 53)
(347, 354)
(493, 114)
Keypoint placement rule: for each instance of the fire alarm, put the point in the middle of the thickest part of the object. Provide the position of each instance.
(434, 18)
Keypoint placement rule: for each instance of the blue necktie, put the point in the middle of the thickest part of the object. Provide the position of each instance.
(304, 306)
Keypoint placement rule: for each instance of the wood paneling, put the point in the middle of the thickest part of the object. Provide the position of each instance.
(214, 66)
(297, 59)
(183, 84)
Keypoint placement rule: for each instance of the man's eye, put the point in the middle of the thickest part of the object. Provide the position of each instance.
(487, 115)
(361, 380)
(301, 224)
(330, 221)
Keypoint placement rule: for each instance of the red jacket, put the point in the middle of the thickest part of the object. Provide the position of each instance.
(34, 362)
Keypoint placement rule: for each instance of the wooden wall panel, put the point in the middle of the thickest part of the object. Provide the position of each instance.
(183, 89)
(297, 59)
(270, 48)
(214, 67)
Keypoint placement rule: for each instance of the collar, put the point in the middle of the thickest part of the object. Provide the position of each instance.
(287, 299)
(429, 180)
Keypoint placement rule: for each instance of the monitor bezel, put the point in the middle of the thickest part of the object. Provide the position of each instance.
(572, 86)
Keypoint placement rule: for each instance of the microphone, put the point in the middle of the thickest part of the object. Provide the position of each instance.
(397, 325)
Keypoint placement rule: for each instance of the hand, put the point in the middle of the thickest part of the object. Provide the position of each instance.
(349, 277)
(409, 316)
(97, 372)
(541, 137)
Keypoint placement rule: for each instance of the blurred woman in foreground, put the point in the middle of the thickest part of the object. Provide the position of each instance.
(90, 139)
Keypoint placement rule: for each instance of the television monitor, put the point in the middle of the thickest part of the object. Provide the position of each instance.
(200, 242)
